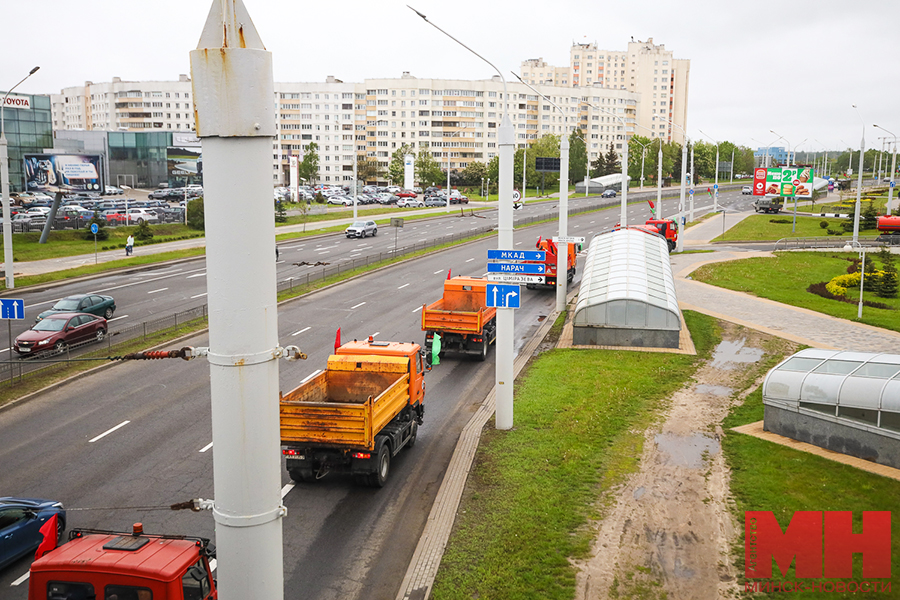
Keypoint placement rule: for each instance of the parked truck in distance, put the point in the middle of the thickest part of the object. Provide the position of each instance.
(889, 228)
(136, 565)
(550, 249)
(356, 415)
(769, 204)
(462, 318)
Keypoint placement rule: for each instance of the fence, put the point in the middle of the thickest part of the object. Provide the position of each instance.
(810, 243)
(13, 372)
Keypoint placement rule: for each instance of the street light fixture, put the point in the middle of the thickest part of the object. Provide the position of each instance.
(893, 171)
(505, 351)
(643, 155)
(4, 190)
(824, 158)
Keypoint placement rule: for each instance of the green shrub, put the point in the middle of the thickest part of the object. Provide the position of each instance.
(823, 224)
(102, 231)
(143, 231)
(195, 218)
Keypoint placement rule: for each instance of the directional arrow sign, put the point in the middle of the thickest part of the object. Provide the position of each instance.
(568, 239)
(503, 296)
(715, 186)
(520, 268)
(12, 308)
(514, 255)
(504, 278)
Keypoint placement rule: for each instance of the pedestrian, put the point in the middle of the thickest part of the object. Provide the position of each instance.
(129, 245)
(276, 252)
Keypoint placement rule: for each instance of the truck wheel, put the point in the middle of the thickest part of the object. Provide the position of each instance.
(382, 465)
(301, 475)
(414, 429)
(571, 276)
(484, 347)
(671, 245)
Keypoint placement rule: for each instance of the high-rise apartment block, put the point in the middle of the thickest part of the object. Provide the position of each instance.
(645, 68)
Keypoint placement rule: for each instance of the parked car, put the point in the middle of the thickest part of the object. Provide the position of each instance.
(746, 190)
(608, 194)
(410, 203)
(114, 216)
(158, 194)
(59, 331)
(139, 215)
(72, 212)
(436, 201)
(406, 194)
(417, 190)
(95, 304)
(21, 520)
(361, 229)
(112, 190)
(457, 198)
(387, 198)
(342, 200)
(25, 221)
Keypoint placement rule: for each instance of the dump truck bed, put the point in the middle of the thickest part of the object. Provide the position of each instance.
(348, 404)
(463, 309)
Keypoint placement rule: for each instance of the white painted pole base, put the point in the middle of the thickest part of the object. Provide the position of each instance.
(505, 358)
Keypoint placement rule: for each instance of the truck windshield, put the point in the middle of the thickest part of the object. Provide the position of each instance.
(126, 592)
(66, 590)
(195, 582)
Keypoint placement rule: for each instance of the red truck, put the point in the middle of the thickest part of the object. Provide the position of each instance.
(550, 248)
(462, 317)
(136, 565)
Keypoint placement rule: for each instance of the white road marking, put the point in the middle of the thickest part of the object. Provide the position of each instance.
(116, 318)
(21, 579)
(198, 296)
(376, 334)
(357, 306)
(109, 431)
(470, 260)
(311, 375)
(441, 271)
(278, 262)
(195, 275)
(402, 286)
(517, 243)
(301, 331)
(418, 309)
(324, 251)
(286, 489)
(159, 290)
(206, 447)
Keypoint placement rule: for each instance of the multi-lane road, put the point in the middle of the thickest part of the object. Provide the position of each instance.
(121, 445)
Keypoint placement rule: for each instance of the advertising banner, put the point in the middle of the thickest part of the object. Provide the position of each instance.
(184, 165)
(23, 102)
(53, 173)
(790, 182)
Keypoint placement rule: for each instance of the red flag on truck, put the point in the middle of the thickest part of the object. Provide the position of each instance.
(48, 530)
(337, 339)
(448, 273)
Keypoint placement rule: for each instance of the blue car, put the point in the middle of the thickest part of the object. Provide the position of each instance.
(21, 520)
(608, 194)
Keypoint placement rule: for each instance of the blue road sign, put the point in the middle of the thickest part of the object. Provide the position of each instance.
(538, 255)
(523, 268)
(94, 228)
(893, 183)
(503, 296)
(715, 186)
(692, 192)
(12, 308)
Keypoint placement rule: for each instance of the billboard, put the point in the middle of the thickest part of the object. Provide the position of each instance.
(790, 182)
(63, 173)
(184, 165)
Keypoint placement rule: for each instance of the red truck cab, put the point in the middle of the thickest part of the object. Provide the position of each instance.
(124, 566)
(551, 249)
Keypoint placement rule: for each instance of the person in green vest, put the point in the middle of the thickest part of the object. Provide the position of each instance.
(436, 350)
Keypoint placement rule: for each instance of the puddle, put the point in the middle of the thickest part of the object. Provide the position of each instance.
(729, 354)
(639, 492)
(686, 450)
(713, 390)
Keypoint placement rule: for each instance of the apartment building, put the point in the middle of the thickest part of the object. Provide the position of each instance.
(125, 106)
(537, 72)
(644, 68)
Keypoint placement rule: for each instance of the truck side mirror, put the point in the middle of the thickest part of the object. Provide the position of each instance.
(427, 360)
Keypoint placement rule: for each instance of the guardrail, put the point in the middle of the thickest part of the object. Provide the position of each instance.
(835, 242)
(14, 372)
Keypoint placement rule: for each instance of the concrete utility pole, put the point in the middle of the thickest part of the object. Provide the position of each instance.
(887, 207)
(859, 180)
(233, 90)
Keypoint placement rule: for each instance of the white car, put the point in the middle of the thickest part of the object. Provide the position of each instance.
(139, 215)
(340, 200)
(746, 190)
(410, 203)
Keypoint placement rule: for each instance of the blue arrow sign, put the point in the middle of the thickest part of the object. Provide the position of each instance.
(536, 255)
(715, 186)
(692, 192)
(94, 228)
(524, 268)
(892, 185)
(503, 296)
(12, 308)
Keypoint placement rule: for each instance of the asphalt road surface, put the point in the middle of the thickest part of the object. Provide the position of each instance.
(122, 445)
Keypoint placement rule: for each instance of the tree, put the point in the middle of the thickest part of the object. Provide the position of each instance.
(367, 170)
(396, 170)
(639, 148)
(308, 169)
(577, 157)
(705, 159)
(474, 172)
(888, 283)
(195, 218)
(102, 231)
(281, 213)
(143, 231)
(428, 171)
(598, 166)
(613, 164)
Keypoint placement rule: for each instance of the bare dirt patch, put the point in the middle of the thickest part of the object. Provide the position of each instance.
(670, 528)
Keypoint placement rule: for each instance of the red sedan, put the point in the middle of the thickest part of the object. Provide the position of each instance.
(406, 194)
(57, 332)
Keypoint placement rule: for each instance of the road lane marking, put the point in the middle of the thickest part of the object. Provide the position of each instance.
(198, 296)
(116, 318)
(286, 489)
(206, 447)
(21, 579)
(323, 251)
(109, 431)
(159, 290)
(402, 286)
(441, 271)
(470, 260)
(311, 375)
(195, 275)
(301, 331)
(418, 309)
(357, 306)
(375, 334)
(517, 243)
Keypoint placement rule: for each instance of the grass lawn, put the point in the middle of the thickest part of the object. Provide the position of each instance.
(762, 228)
(769, 477)
(785, 278)
(533, 490)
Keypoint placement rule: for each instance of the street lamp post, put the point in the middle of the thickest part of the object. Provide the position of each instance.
(643, 155)
(623, 216)
(448, 167)
(4, 189)
(859, 181)
(716, 195)
(887, 210)
(679, 246)
(505, 350)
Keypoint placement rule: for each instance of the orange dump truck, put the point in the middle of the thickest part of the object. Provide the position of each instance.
(107, 564)
(462, 318)
(357, 414)
(550, 248)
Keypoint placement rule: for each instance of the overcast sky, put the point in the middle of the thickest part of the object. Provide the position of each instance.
(795, 67)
